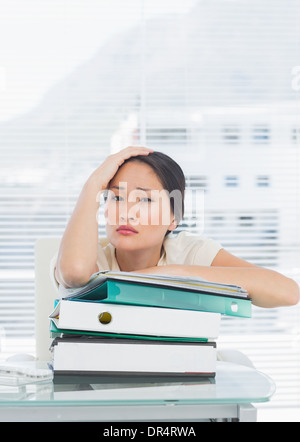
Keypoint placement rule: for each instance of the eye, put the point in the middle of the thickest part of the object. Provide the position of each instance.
(117, 198)
(113, 197)
(146, 200)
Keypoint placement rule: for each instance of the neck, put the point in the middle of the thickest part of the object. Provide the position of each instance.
(132, 261)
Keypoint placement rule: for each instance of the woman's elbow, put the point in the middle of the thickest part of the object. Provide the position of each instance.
(73, 275)
(292, 293)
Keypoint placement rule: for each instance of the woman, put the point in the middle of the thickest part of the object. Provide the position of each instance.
(144, 193)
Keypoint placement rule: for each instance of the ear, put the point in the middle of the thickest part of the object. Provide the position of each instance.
(173, 225)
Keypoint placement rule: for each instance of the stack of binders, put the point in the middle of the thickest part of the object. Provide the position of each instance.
(134, 327)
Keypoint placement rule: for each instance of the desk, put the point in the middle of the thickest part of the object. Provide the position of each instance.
(229, 396)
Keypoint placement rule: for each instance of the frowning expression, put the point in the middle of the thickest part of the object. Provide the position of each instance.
(138, 212)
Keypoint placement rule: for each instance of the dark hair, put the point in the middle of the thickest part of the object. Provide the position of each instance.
(171, 177)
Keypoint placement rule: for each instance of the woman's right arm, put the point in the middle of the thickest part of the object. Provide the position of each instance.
(77, 256)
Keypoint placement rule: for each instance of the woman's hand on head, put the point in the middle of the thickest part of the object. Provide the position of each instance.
(108, 169)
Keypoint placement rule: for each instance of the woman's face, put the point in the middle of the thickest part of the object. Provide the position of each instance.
(138, 212)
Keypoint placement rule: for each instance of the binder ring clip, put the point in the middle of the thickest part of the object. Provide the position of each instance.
(105, 318)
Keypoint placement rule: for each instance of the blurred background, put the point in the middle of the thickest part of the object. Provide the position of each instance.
(213, 83)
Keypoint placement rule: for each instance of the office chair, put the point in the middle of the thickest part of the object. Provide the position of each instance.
(46, 293)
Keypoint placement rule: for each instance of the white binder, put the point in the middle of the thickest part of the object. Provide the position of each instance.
(121, 357)
(135, 320)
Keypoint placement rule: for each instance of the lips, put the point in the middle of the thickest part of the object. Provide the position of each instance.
(126, 230)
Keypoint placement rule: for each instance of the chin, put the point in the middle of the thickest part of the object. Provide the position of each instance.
(124, 242)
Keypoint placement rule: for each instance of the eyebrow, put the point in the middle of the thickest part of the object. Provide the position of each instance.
(117, 187)
(137, 188)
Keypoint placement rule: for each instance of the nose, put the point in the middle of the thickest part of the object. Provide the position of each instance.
(128, 213)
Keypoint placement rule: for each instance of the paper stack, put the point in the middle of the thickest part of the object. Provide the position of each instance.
(136, 327)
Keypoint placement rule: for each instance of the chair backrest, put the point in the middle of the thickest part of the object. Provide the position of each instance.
(45, 294)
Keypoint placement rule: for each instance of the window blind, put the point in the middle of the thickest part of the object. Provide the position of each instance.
(207, 82)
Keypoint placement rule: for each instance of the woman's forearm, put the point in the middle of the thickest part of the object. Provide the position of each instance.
(77, 256)
(267, 288)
